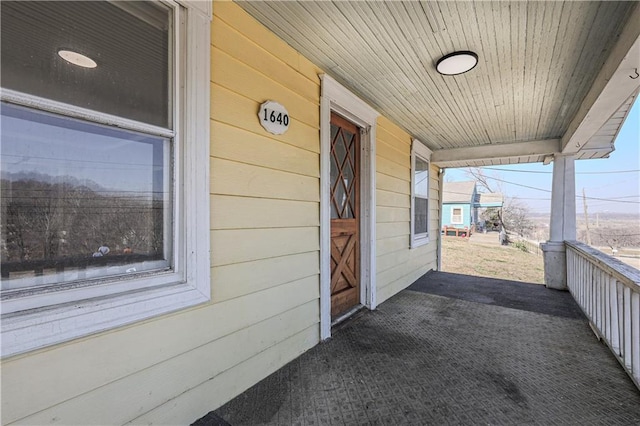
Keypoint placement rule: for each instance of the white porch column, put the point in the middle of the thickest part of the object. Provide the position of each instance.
(563, 221)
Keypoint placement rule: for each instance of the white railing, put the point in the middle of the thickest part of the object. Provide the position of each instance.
(608, 291)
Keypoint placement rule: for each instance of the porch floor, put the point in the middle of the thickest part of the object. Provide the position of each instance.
(451, 349)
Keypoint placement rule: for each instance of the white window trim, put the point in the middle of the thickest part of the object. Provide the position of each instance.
(26, 330)
(420, 150)
(461, 222)
(338, 98)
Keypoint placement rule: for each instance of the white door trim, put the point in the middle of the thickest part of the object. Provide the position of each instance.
(337, 98)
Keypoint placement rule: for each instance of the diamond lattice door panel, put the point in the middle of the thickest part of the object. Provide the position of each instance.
(345, 215)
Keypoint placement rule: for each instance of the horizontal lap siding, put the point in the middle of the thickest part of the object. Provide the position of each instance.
(397, 266)
(265, 194)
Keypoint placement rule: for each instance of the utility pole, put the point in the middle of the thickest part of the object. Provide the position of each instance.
(586, 216)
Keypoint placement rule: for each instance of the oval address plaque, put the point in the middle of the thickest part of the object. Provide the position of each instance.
(274, 117)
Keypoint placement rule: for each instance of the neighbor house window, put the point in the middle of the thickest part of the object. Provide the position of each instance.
(97, 160)
(420, 156)
(456, 216)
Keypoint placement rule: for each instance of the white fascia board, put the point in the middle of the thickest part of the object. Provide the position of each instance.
(612, 87)
(422, 149)
(495, 151)
(204, 6)
(346, 103)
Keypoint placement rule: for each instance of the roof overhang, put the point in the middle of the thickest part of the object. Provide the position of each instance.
(484, 155)
(553, 77)
(613, 91)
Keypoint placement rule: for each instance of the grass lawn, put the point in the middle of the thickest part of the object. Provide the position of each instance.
(482, 255)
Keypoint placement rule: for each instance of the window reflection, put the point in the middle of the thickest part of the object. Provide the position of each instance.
(421, 194)
(80, 200)
(129, 41)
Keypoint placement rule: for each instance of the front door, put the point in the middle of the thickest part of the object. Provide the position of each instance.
(345, 215)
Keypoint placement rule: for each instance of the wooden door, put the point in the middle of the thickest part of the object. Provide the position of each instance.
(345, 215)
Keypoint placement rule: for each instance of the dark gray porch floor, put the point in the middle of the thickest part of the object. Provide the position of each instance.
(475, 352)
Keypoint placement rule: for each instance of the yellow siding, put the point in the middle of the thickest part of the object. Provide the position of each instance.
(397, 265)
(265, 193)
(238, 145)
(234, 178)
(231, 108)
(213, 393)
(48, 377)
(233, 212)
(245, 245)
(265, 260)
(146, 389)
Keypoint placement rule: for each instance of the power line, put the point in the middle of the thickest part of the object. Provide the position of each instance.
(519, 184)
(578, 173)
(610, 199)
(548, 191)
(84, 161)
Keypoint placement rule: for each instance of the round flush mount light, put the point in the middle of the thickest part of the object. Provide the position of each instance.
(457, 63)
(76, 58)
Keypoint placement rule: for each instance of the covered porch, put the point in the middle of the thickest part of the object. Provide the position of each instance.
(554, 84)
(551, 82)
(450, 349)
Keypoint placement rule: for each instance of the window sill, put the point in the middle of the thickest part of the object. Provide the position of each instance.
(29, 330)
(419, 242)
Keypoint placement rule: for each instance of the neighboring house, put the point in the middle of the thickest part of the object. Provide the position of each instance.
(230, 232)
(458, 204)
(462, 205)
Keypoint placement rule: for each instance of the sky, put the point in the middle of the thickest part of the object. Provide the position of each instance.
(116, 160)
(611, 184)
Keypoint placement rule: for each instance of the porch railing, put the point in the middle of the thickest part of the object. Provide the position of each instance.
(608, 291)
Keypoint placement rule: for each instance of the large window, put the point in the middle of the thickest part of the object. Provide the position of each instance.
(98, 164)
(420, 156)
(81, 201)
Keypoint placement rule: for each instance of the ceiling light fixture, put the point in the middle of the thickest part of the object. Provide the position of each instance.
(76, 58)
(457, 62)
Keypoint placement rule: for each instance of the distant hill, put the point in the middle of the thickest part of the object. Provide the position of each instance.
(46, 178)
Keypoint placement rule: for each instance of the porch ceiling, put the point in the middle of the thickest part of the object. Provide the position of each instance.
(543, 67)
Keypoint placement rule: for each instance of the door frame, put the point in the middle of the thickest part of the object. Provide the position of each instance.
(337, 98)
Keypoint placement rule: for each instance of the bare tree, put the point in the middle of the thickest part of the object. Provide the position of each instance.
(46, 221)
(514, 215)
(483, 180)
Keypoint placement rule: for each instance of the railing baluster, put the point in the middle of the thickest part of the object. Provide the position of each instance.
(598, 274)
(583, 287)
(620, 292)
(570, 280)
(635, 335)
(589, 289)
(627, 328)
(608, 292)
(607, 305)
(596, 288)
(585, 272)
(592, 283)
(615, 323)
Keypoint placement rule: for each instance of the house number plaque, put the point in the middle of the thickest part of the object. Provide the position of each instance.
(274, 117)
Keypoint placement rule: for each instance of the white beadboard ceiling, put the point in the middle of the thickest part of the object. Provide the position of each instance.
(540, 66)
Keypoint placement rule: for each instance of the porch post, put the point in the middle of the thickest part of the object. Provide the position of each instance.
(563, 221)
